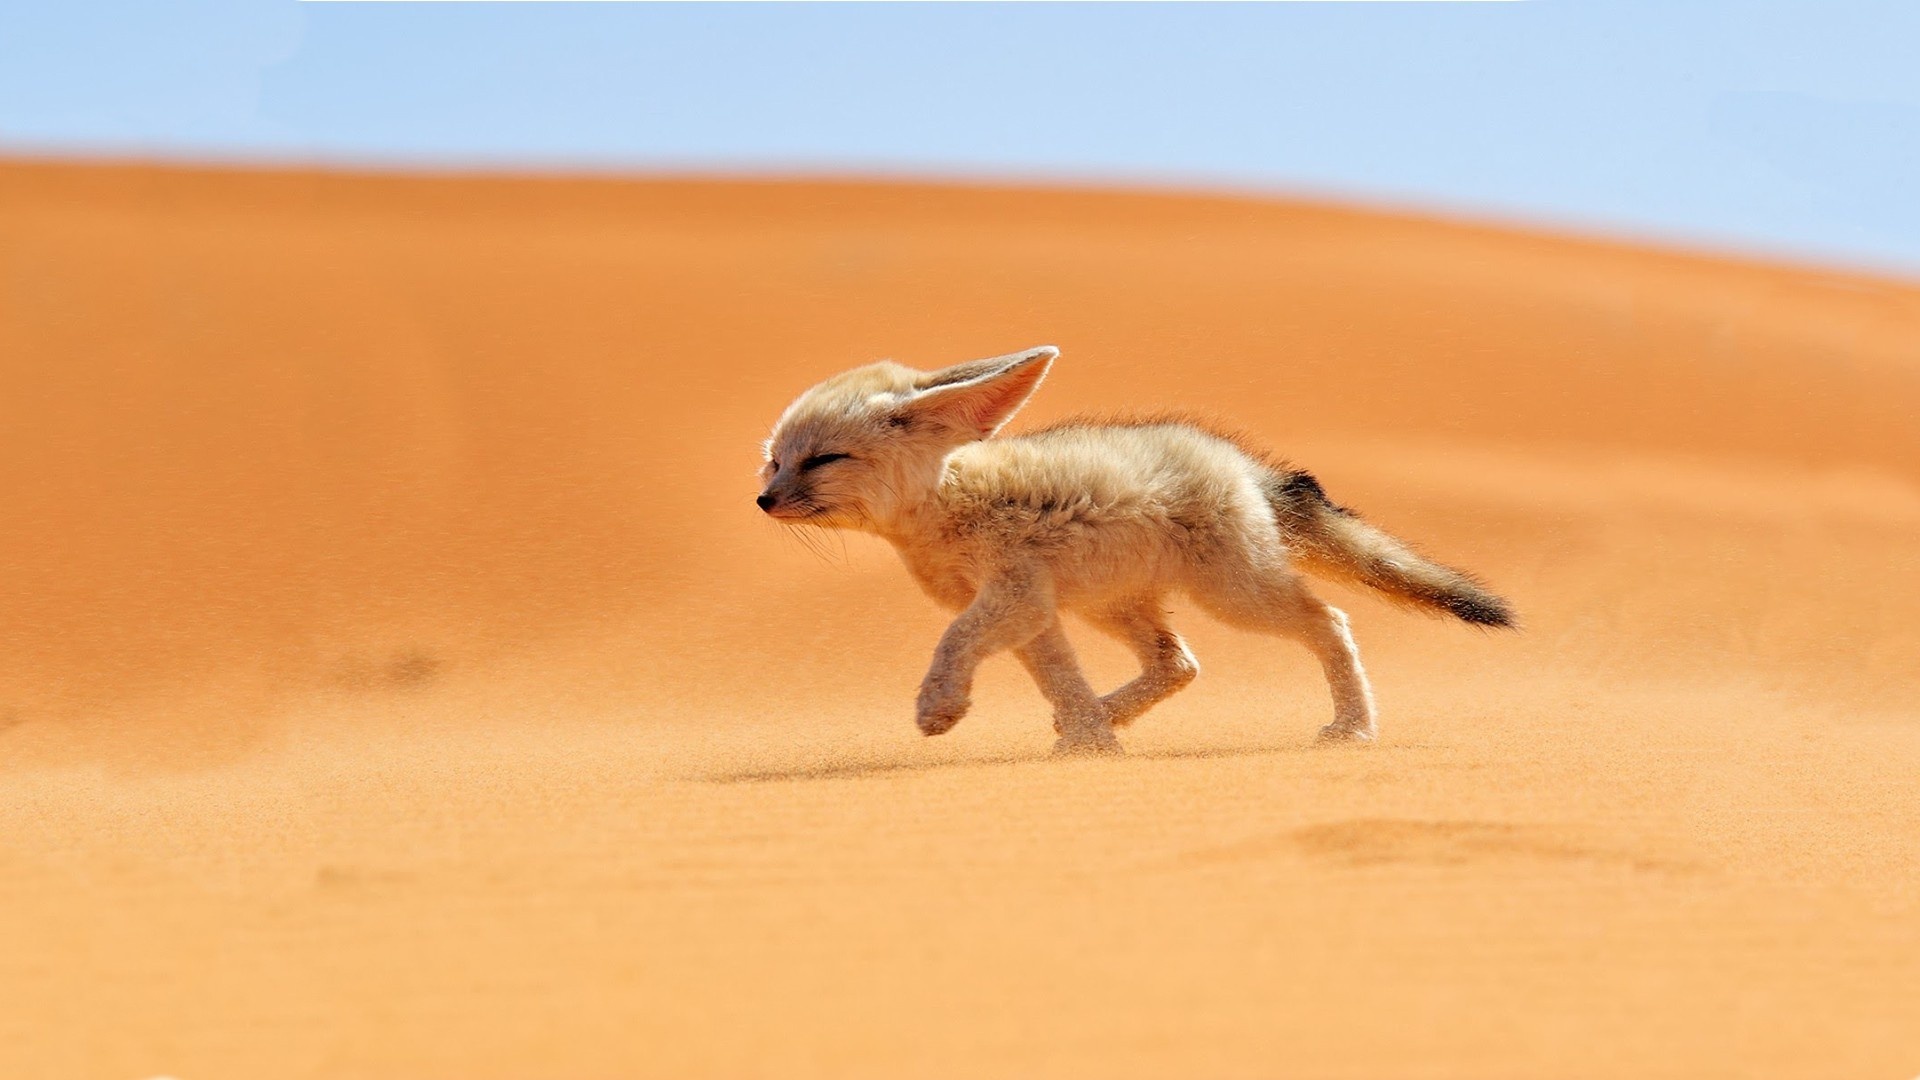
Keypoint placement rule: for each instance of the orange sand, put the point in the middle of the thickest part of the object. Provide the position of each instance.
(399, 682)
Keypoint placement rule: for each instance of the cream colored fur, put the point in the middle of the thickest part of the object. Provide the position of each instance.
(1102, 520)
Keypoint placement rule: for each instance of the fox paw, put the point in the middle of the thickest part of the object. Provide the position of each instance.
(1087, 742)
(1337, 733)
(937, 715)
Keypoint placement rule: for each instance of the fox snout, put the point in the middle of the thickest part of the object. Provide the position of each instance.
(768, 500)
(784, 500)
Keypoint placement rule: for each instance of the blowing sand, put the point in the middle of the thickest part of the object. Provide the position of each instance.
(398, 680)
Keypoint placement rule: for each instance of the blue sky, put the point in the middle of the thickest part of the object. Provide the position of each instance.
(1747, 125)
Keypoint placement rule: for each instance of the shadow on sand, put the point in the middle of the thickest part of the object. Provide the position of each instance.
(855, 769)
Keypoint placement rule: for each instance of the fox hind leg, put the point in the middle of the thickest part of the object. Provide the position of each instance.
(1278, 602)
(1328, 634)
(1166, 664)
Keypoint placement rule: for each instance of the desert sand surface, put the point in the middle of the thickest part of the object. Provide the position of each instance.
(398, 681)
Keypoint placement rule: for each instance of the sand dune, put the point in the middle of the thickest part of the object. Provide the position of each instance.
(399, 682)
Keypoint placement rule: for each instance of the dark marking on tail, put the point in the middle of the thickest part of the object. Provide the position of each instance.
(1299, 485)
(1487, 610)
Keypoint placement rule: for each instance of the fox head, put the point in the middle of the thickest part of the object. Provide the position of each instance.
(867, 446)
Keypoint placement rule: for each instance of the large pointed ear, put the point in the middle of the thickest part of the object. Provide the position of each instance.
(976, 397)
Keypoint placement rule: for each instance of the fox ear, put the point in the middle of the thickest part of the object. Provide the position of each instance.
(976, 397)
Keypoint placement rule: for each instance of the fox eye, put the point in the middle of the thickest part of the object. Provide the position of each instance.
(818, 460)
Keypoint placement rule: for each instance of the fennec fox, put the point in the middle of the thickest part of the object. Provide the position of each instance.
(1100, 518)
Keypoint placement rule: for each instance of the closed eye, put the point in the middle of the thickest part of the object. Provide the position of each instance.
(818, 460)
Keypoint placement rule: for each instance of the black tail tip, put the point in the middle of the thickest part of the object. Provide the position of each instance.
(1483, 610)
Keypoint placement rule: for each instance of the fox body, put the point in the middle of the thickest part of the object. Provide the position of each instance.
(1104, 519)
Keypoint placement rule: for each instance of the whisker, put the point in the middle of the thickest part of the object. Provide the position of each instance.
(790, 535)
(799, 536)
(818, 542)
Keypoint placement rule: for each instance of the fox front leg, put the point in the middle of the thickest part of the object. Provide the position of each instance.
(1079, 716)
(1008, 611)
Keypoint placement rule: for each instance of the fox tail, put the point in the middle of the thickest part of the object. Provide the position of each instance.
(1333, 542)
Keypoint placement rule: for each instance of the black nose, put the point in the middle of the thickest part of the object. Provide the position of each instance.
(764, 502)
